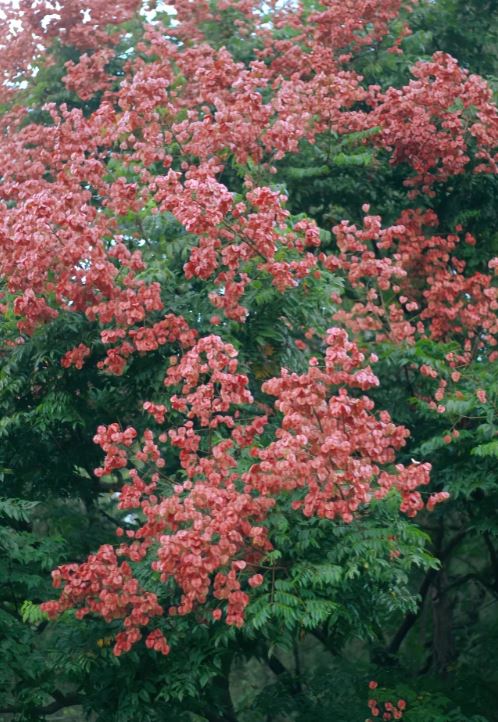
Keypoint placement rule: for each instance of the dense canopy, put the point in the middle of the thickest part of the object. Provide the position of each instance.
(248, 278)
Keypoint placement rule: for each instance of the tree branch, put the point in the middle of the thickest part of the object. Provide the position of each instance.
(493, 558)
(276, 666)
(60, 701)
(411, 617)
(325, 640)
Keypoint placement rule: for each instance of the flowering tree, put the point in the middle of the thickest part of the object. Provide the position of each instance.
(272, 363)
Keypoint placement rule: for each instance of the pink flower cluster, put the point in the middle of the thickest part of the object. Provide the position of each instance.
(208, 534)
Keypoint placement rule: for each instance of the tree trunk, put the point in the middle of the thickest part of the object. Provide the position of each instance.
(442, 619)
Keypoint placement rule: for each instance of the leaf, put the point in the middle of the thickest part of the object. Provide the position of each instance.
(489, 449)
(31, 613)
(17, 509)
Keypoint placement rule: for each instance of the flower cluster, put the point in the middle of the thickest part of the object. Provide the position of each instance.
(385, 710)
(103, 586)
(439, 123)
(208, 534)
(430, 293)
(330, 444)
(171, 118)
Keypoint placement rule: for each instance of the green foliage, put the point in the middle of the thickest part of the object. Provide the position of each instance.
(17, 509)
(335, 597)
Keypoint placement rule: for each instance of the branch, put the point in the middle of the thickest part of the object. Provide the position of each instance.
(411, 617)
(493, 557)
(297, 664)
(325, 640)
(60, 701)
(116, 522)
(473, 577)
(464, 579)
(453, 543)
(279, 669)
(276, 666)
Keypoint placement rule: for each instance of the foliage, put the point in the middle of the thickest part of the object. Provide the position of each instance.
(248, 272)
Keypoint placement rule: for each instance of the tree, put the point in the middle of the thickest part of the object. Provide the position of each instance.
(248, 251)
